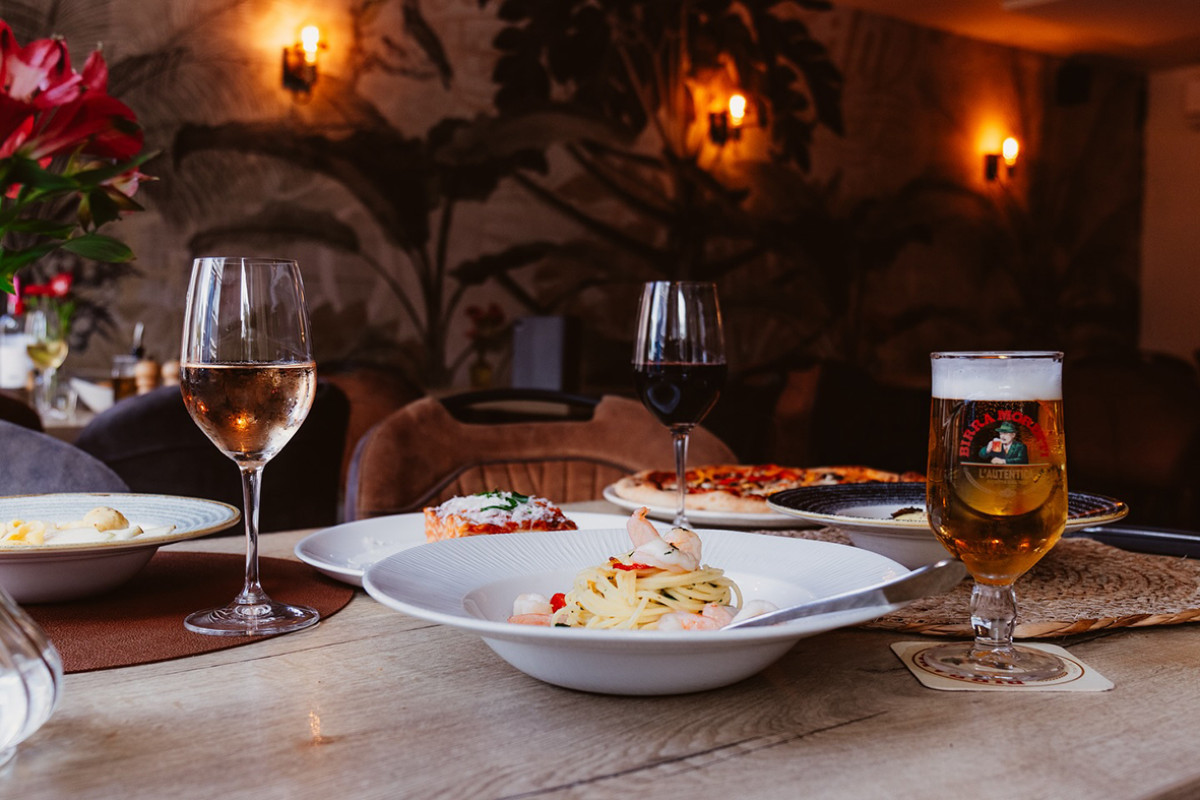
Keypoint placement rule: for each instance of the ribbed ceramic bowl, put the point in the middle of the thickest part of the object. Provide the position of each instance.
(470, 584)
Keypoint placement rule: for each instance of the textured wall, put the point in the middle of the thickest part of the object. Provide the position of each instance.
(1048, 258)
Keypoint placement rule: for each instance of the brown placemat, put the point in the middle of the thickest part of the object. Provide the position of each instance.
(142, 621)
(1079, 586)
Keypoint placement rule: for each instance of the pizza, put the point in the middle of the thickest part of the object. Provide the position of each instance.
(741, 488)
(493, 512)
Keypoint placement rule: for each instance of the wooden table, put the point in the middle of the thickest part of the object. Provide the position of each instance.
(374, 704)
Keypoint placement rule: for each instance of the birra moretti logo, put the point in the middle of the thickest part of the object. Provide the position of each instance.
(985, 427)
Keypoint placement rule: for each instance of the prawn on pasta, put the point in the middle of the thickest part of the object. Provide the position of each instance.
(660, 584)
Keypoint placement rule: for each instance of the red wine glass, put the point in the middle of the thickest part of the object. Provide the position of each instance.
(679, 363)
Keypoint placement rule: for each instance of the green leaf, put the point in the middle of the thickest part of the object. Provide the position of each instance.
(98, 248)
(41, 227)
(13, 260)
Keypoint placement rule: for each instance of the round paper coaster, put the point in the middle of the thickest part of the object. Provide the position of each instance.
(142, 621)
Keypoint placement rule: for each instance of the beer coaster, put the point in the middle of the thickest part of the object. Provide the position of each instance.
(1079, 677)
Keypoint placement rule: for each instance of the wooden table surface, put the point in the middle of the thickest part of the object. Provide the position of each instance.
(375, 704)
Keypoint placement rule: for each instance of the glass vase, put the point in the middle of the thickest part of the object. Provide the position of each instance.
(30, 677)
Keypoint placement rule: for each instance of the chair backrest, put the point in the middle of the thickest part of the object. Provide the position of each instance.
(36, 463)
(153, 444)
(1132, 431)
(15, 410)
(422, 455)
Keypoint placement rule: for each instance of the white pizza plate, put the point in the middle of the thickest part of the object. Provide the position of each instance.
(344, 552)
(58, 572)
(470, 584)
(866, 513)
(708, 519)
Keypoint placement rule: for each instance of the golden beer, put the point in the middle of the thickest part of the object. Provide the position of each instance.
(997, 486)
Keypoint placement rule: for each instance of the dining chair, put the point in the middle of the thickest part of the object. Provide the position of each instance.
(152, 442)
(564, 447)
(37, 463)
(1133, 433)
(14, 409)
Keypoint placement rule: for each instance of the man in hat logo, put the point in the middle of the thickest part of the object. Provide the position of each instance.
(1005, 449)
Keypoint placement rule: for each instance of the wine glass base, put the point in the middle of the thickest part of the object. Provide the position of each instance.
(1009, 666)
(257, 619)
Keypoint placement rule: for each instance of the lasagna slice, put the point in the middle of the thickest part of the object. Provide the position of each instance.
(493, 512)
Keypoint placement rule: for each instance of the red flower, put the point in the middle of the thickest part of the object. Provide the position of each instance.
(47, 109)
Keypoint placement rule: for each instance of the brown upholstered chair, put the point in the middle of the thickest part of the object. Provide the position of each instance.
(421, 455)
(1133, 432)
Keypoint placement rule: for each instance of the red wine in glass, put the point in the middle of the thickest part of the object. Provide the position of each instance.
(679, 362)
(680, 395)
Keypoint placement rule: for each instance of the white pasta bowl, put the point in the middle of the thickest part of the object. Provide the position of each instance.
(53, 573)
(470, 584)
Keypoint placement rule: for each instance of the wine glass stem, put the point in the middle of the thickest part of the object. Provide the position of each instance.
(252, 591)
(993, 617)
(680, 437)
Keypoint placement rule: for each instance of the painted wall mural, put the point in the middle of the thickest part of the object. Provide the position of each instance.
(547, 157)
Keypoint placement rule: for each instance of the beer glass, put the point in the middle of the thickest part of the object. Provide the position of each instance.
(996, 497)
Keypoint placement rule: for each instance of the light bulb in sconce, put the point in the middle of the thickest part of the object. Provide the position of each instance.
(737, 110)
(1009, 149)
(300, 61)
(310, 40)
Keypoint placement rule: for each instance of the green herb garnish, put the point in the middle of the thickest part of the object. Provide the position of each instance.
(513, 500)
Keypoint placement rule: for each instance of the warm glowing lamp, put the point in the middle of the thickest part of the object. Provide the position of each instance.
(737, 109)
(1009, 149)
(310, 39)
(300, 61)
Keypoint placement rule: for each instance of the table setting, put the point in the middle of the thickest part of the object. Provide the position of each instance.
(370, 643)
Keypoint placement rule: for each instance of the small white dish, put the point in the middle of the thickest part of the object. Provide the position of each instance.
(343, 552)
(96, 397)
(870, 514)
(470, 584)
(51, 573)
(708, 519)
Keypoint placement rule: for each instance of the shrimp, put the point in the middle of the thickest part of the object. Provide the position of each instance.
(678, 551)
(754, 608)
(713, 616)
(686, 621)
(531, 609)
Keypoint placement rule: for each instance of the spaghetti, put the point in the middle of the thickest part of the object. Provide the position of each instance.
(624, 594)
(659, 585)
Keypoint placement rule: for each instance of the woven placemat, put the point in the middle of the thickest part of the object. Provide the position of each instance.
(1079, 586)
(142, 621)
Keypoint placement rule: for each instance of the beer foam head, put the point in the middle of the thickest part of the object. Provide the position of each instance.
(998, 375)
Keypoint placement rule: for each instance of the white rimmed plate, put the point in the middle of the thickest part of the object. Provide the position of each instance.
(707, 519)
(470, 584)
(58, 572)
(866, 512)
(343, 552)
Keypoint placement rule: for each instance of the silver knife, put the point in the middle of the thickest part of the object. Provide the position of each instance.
(922, 582)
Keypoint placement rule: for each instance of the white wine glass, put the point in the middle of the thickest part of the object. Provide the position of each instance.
(996, 494)
(248, 379)
(47, 345)
(679, 363)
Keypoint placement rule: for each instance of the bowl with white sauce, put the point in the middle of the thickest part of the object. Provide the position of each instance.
(61, 547)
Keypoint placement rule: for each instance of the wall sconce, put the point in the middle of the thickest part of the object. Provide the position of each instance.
(726, 125)
(1008, 154)
(300, 61)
